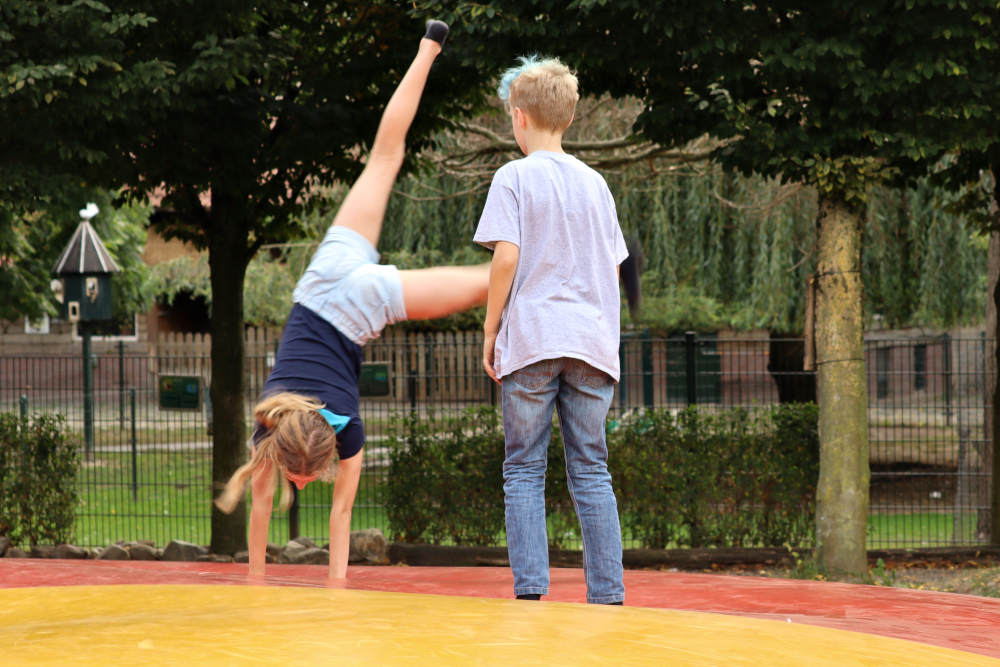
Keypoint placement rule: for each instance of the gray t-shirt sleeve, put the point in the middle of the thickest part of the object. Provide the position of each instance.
(500, 220)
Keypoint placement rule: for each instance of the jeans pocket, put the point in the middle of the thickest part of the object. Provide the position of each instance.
(586, 375)
(535, 376)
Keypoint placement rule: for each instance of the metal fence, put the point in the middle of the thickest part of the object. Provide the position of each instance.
(146, 469)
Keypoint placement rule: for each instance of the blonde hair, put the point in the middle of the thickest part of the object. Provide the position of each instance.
(545, 88)
(297, 440)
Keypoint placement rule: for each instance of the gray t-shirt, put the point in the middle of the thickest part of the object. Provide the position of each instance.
(564, 301)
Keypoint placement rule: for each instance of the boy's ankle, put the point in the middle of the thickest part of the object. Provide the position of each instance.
(529, 596)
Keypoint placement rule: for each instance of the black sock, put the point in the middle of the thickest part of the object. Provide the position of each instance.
(618, 603)
(529, 596)
(437, 30)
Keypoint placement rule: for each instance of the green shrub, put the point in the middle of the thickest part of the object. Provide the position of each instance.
(717, 478)
(736, 477)
(445, 482)
(38, 468)
(445, 479)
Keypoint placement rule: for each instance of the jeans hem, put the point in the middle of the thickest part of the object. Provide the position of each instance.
(531, 590)
(611, 599)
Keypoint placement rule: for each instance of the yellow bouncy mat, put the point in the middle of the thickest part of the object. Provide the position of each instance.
(246, 625)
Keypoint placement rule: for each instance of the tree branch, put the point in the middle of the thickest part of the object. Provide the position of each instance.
(471, 153)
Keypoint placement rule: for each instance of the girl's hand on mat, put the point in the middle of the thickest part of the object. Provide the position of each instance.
(336, 582)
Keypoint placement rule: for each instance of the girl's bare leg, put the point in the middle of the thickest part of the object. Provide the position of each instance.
(364, 206)
(443, 290)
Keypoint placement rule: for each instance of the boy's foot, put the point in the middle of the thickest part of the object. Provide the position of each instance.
(437, 30)
(529, 596)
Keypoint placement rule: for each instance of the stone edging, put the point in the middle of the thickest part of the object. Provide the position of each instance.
(369, 547)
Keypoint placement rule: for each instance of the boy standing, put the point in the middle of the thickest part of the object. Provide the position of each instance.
(552, 328)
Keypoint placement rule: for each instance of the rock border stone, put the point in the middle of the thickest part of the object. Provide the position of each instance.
(370, 547)
(367, 547)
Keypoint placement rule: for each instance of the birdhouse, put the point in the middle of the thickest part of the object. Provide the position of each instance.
(84, 274)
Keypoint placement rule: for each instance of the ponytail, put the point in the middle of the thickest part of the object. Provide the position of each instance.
(235, 488)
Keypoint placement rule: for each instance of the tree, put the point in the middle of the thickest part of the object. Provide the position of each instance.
(67, 81)
(23, 274)
(843, 98)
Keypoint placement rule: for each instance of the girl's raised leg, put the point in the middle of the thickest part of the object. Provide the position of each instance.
(443, 290)
(364, 206)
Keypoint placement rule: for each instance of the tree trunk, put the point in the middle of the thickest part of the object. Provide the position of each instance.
(842, 491)
(227, 262)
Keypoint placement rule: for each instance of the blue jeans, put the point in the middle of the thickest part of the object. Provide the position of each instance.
(582, 395)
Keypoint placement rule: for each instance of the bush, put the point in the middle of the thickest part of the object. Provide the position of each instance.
(695, 479)
(38, 468)
(723, 478)
(445, 478)
(445, 482)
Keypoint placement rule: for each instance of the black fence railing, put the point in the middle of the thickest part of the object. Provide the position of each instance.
(146, 469)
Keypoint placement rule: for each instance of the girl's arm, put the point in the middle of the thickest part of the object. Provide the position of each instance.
(262, 491)
(345, 488)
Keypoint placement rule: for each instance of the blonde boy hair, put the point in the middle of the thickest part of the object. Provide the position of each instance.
(298, 440)
(545, 88)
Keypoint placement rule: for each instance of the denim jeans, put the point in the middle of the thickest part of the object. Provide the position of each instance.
(581, 395)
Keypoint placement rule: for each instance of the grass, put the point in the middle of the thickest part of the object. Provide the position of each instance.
(172, 500)
(980, 577)
(965, 579)
(117, 437)
(919, 529)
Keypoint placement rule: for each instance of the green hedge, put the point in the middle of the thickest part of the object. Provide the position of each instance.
(694, 478)
(39, 461)
(736, 478)
(445, 478)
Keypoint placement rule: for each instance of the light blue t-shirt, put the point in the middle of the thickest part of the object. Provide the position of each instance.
(564, 301)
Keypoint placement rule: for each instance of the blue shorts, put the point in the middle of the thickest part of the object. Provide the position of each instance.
(347, 287)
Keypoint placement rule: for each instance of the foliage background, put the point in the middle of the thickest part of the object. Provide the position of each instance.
(720, 251)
